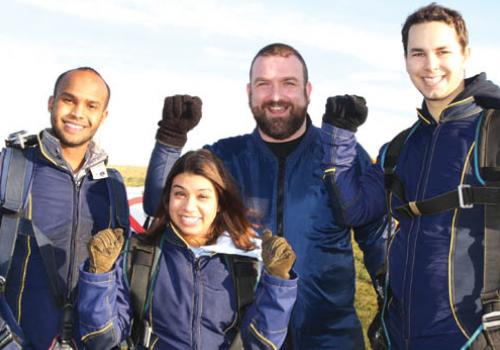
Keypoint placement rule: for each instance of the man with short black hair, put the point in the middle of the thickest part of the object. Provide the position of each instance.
(66, 195)
(278, 168)
(439, 187)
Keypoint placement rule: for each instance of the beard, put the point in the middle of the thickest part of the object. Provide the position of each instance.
(279, 128)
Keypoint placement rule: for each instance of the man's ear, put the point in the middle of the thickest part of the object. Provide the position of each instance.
(50, 103)
(308, 91)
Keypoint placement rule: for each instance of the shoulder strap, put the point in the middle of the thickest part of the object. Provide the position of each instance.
(17, 170)
(390, 159)
(489, 160)
(488, 146)
(142, 260)
(118, 199)
(244, 273)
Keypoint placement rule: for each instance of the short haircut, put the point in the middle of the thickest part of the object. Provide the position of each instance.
(85, 69)
(436, 13)
(283, 50)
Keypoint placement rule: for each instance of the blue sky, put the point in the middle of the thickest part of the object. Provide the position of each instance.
(148, 49)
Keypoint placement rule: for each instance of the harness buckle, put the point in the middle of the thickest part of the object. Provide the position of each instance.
(461, 202)
(491, 320)
(20, 139)
(6, 336)
(148, 331)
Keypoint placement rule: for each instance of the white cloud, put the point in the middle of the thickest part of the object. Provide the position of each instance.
(252, 20)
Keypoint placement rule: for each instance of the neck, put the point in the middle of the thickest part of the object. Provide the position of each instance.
(191, 240)
(74, 156)
(195, 241)
(436, 107)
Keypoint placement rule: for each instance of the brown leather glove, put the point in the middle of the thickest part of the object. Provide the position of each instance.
(104, 248)
(181, 113)
(277, 254)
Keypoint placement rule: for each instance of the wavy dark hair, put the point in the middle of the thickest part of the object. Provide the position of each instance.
(231, 216)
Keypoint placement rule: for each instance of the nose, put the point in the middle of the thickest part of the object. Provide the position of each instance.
(275, 92)
(432, 62)
(190, 204)
(77, 110)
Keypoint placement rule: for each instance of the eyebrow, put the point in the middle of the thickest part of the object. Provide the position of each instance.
(258, 79)
(198, 190)
(69, 94)
(418, 49)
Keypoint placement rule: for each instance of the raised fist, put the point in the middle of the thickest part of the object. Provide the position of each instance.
(181, 113)
(345, 112)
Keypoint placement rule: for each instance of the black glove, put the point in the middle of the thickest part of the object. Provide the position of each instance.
(375, 334)
(181, 113)
(345, 112)
(375, 331)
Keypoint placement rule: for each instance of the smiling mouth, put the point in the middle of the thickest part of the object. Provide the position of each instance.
(72, 126)
(190, 220)
(432, 81)
(277, 108)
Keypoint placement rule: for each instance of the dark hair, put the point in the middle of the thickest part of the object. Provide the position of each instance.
(283, 50)
(436, 13)
(231, 216)
(85, 69)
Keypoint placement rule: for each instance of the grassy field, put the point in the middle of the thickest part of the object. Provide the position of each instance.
(366, 305)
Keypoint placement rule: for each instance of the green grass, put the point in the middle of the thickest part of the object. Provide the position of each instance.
(366, 300)
(133, 175)
(366, 304)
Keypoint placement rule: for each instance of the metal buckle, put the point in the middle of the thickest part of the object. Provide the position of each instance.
(2, 284)
(6, 336)
(148, 331)
(461, 202)
(491, 319)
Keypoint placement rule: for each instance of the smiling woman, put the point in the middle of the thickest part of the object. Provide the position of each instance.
(205, 253)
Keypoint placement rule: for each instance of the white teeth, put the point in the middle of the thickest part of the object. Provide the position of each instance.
(190, 220)
(277, 108)
(432, 80)
(73, 126)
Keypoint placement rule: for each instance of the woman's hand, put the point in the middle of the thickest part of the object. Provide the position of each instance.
(277, 254)
(104, 248)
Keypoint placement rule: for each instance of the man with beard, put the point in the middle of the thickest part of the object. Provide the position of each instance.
(278, 168)
(64, 196)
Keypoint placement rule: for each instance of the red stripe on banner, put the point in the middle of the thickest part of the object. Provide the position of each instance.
(135, 225)
(133, 222)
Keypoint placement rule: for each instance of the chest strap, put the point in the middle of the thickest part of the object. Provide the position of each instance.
(464, 197)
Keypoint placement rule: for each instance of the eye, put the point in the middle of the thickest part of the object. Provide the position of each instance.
(204, 196)
(179, 194)
(92, 106)
(262, 84)
(417, 54)
(290, 83)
